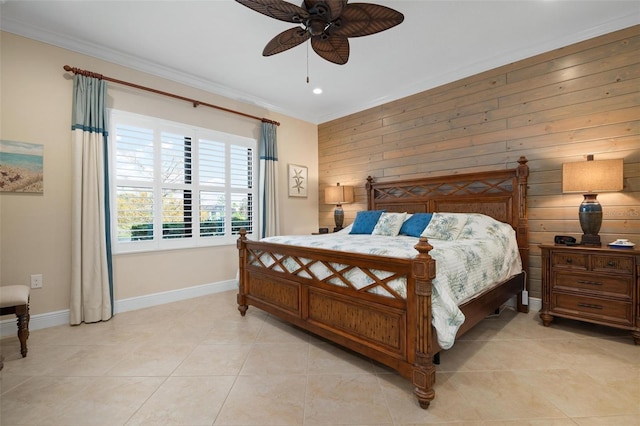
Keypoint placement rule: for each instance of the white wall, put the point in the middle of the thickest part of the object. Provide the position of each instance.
(35, 96)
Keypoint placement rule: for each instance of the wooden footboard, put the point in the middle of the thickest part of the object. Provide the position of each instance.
(394, 331)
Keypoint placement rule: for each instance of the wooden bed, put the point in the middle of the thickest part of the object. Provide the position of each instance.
(394, 331)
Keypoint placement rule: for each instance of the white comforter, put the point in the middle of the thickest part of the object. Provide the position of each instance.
(484, 254)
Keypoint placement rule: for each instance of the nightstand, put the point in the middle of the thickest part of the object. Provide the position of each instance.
(600, 285)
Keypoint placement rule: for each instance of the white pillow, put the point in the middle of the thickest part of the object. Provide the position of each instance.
(389, 224)
(445, 226)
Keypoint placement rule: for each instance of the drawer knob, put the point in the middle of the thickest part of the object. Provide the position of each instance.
(611, 263)
(569, 260)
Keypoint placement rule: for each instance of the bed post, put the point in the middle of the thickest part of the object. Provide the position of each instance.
(242, 279)
(424, 372)
(522, 173)
(369, 187)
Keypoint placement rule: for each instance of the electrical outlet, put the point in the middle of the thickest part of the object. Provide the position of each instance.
(36, 281)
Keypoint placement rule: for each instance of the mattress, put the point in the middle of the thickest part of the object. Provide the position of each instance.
(483, 253)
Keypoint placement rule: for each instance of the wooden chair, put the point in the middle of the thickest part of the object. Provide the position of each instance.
(14, 299)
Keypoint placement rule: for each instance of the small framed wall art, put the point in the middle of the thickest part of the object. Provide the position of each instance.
(297, 180)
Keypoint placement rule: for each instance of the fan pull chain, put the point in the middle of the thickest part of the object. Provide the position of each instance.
(308, 61)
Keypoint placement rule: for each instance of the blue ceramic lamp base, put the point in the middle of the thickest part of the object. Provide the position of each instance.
(338, 216)
(590, 215)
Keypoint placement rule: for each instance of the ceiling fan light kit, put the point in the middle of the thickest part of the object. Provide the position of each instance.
(328, 24)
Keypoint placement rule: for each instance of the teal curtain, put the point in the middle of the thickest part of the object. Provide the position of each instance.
(268, 185)
(91, 298)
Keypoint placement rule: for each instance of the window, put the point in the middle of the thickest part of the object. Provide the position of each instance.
(175, 186)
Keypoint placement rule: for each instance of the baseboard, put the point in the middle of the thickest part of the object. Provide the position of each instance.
(9, 326)
(51, 319)
(535, 304)
(155, 299)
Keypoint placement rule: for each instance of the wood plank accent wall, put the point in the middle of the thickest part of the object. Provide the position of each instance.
(553, 108)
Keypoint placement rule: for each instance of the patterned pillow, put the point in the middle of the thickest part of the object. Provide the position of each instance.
(389, 224)
(445, 226)
(365, 221)
(480, 227)
(415, 224)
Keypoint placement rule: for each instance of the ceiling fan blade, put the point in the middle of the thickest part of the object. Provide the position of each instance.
(361, 19)
(286, 40)
(277, 9)
(335, 7)
(334, 49)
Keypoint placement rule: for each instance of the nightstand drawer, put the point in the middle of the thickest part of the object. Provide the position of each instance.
(569, 260)
(613, 264)
(598, 285)
(592, 308)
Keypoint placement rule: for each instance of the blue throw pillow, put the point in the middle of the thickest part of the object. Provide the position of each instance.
(365, 221)
(416, 224)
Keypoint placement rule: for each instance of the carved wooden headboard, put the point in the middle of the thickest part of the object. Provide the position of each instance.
(501, 194)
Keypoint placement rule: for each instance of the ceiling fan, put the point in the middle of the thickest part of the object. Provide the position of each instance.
(328, 23)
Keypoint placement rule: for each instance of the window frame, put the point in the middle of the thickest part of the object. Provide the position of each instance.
(196, 134)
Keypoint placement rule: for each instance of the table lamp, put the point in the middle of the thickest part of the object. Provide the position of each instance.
(590, 178)
(338, 195)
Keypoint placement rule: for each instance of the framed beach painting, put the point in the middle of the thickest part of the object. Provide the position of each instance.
(297, 181)
(21, 167)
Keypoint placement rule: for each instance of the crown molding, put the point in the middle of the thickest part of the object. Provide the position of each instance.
(138, 64)
(213, 87)
(490, 63)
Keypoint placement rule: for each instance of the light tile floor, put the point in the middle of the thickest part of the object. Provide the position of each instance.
(198, 362)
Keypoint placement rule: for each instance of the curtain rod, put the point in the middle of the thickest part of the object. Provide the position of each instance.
(195, 103)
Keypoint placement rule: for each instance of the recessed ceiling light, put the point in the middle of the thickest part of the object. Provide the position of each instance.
(317, 90)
